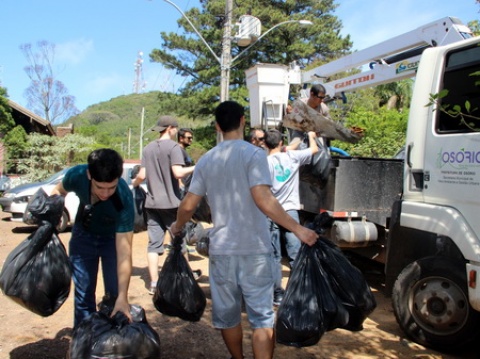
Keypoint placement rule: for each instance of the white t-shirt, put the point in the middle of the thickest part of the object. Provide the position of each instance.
(284, 170)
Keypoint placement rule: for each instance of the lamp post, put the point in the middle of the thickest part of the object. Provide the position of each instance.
(226, 61)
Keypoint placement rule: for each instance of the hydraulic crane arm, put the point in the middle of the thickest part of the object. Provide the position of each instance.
(389, 61)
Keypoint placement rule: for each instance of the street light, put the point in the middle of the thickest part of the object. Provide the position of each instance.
(225, 61)
(301, 22)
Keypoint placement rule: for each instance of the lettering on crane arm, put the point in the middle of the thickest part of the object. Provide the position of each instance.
(354, 81)
(406, 66)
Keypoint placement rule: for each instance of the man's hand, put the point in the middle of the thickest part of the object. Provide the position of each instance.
(122, 306)
(306, 235)
(175, 230)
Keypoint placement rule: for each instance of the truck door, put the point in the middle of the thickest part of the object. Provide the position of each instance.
(451, 169)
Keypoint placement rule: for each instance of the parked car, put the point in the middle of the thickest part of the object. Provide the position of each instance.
(5, 183)
(15, 200)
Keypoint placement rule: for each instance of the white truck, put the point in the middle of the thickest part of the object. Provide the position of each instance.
(419, 216)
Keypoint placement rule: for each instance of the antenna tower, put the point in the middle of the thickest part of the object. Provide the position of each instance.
(139, 82)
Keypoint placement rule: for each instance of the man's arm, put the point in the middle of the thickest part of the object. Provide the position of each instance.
(140, 177)
(185, 212)
(181, 171)
(123, 243)
(312, 143)
(269, 205)
(58, 189)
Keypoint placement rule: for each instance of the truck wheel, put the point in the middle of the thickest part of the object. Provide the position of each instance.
(63, 224)
(431, 305)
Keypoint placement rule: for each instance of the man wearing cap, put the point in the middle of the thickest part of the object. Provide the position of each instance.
(162, 165)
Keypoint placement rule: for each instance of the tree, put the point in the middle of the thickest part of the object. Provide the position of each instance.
(12, 136)
(6, 120)
(46, 95)
(188, 55)
(395, 95)
(45, 155)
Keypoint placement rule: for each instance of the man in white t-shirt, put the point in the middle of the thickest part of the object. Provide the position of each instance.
(284, 171)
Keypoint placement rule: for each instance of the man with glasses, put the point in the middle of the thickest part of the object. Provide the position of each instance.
(185, 138)
(103, 230)
(257, 137)
(315, 101)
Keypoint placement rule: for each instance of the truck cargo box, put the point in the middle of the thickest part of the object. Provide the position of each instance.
(366, 187)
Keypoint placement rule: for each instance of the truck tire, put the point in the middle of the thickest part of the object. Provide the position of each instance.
(431, 305)
(63, 224)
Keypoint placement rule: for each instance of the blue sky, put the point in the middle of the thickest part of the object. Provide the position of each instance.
(97, 42)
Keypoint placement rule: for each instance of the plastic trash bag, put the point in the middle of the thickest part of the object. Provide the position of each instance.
(348, 283)
(99, 336)
(36, 274)
(309, 307)
(203, 243)
(321, 163)
(140, 222)
(177, 293)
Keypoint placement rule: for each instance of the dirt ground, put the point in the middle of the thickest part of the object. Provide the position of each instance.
(24, 335)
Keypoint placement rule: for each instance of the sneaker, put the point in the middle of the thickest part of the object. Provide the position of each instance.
(197, 274)
(277, 299)
(152, 289)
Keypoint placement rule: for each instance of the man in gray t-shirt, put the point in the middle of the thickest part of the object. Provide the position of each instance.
(162, 166)
(235, 179)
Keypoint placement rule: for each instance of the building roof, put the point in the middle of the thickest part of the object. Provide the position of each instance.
(30, 121)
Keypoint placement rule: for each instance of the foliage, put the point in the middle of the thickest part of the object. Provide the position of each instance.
(384, 135)
(6, 119)
(395, 95)
(15, 142)
(49, 154)
(117, 123)
(475, 27)
(466, 117)
(188, 55)
(46, 95)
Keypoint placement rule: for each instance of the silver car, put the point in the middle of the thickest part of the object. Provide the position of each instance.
(15, 200)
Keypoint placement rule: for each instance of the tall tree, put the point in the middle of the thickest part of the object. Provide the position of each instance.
(47, 96)
(6, 120)
(189, 56)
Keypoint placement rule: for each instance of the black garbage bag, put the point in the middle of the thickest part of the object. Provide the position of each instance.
(309, 307)
(102, 336)
(178, 293)
(37, 274)
(348, 283)
(140, 222)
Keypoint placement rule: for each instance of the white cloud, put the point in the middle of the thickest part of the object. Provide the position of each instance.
(74, 52)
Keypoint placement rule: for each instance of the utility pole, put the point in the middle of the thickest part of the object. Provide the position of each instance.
(226, 52)
(141, 132)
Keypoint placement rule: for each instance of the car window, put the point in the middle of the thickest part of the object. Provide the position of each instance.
(55, 177)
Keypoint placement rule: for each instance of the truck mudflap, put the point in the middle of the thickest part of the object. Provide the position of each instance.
(473, 277)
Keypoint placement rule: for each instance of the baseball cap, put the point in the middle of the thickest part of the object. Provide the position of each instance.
(165, 121)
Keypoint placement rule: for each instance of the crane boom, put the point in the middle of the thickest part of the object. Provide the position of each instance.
(389, 61)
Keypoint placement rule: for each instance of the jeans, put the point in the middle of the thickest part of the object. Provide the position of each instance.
(86, 250)
(292, 246)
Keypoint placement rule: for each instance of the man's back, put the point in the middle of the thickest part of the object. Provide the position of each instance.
(158, 158)
(284, 170)
(225, 175)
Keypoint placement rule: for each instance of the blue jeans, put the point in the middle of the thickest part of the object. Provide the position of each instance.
(292, 245)
(86, 249)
